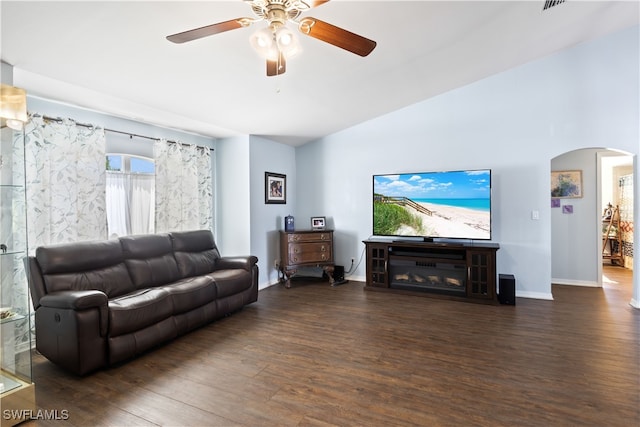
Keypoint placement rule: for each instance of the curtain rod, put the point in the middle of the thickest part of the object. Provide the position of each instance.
(131, 135)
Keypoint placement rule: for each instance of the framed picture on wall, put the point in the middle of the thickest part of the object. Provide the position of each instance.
(566, 184)
(275, 191)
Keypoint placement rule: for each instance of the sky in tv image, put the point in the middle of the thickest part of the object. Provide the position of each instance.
(471, 189)
(435, 204)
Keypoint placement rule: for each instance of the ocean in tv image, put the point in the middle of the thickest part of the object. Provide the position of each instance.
(452, 204)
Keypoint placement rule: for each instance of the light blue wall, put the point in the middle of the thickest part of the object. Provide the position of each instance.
(233, 201)
(6, 73)
(575, 236)
(81, 115)
(514, 123)
(268, 219)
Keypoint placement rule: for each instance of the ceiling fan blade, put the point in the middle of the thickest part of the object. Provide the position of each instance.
(209, 30)
(276, 67)
(315, 3)
(336, 36)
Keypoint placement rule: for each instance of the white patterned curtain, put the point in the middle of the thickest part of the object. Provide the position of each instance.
(65, 177)
(184, 187)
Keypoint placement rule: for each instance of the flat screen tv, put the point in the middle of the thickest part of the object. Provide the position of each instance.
(433, 205)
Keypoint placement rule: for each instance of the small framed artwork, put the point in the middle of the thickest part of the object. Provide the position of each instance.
(318, 222)
(567, 209)
(566, 184)
(555, 203)
(275, 190)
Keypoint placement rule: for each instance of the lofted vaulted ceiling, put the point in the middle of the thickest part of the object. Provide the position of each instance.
(113, 57)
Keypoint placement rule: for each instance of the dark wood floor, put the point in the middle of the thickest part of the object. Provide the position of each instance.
(314, 355)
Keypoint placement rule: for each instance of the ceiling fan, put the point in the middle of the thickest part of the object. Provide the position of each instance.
(276, 42)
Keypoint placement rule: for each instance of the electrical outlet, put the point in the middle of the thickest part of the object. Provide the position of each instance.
(276, 264)
(352, 260)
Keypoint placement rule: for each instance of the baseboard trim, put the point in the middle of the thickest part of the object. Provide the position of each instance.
(266, 285)
(534, 295)
(570, 282)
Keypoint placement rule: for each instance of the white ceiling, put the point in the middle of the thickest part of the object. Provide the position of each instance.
(113, 57)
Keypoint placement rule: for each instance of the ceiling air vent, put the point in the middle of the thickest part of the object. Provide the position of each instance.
(548, 4)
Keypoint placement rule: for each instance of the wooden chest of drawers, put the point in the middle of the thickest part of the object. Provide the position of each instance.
(310, 248)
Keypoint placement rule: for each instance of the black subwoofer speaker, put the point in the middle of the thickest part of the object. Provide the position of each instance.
(507, 286)
(338, 273)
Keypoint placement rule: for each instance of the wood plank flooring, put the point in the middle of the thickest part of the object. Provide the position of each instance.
(314, 355)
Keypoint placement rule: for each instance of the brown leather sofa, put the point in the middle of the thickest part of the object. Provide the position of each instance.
(100, 303)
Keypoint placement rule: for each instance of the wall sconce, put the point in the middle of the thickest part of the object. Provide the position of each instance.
(13, 106)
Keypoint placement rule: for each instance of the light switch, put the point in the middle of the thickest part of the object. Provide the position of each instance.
(535, 215)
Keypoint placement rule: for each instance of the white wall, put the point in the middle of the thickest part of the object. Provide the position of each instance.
(268, 219)
(513, 123)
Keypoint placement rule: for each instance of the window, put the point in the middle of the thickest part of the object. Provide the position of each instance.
(130, 164)
(130, 195)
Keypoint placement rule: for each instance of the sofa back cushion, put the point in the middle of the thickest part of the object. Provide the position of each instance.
(83, 266)
(150, 260)
(195, 251)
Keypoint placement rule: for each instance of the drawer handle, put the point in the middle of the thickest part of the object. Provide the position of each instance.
(296, 250)
(322, 237)
(295, 259)
(324, 257)
(322, 248)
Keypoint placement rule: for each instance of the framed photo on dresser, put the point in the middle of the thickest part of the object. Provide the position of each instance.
(318, 222)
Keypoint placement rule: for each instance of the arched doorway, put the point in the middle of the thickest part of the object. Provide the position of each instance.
(576, 222)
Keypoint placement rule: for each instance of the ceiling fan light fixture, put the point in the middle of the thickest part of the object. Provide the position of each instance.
(263, 40)
(269, 44)
(263, 43)
(285, 39)
(287, 42)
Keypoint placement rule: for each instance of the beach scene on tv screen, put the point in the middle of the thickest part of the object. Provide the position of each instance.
(436, 204)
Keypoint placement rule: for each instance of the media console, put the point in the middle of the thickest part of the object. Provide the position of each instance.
(447, 270)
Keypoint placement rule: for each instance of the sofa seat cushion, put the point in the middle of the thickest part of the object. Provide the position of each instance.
(231, 282)
(138, 310)
(190, 293)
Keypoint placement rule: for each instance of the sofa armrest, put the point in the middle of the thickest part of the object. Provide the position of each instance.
(244, 262)
(78, 301)
(75, 300)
